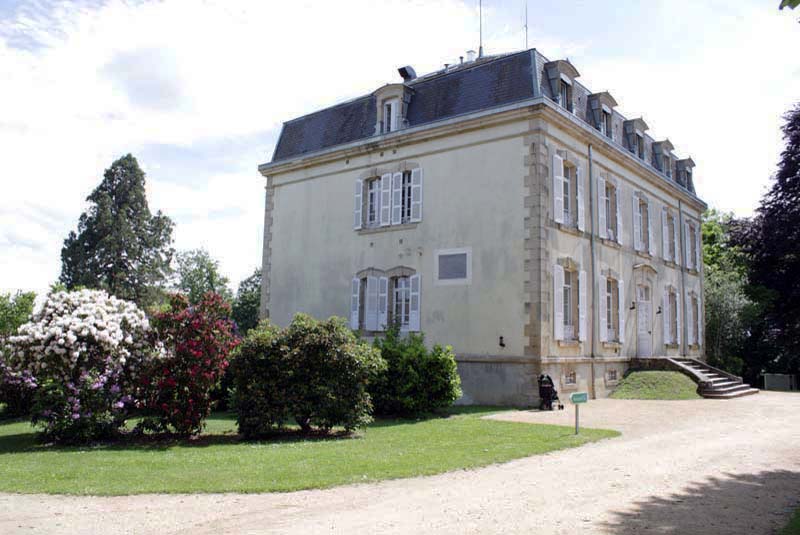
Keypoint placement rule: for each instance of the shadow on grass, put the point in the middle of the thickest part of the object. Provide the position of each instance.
(28, 442)
(736, 503)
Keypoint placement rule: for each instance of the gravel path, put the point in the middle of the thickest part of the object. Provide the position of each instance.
(680, 467)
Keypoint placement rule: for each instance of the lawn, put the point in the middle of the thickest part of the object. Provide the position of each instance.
(220, 462)
(793, 527)
(655, 385)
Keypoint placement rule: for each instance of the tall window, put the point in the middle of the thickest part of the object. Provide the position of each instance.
(565, 95)
(569, 173)
(691, 246)
(667, 164)
(642, 226)
(673, 317)
(401, 301)
(373, 203)
(569, 320)
(671, 236)
(695, 326)
(612, 309)
(405, 210)
(611, 210)
(640, 146)
(605, 124)
(389, 116)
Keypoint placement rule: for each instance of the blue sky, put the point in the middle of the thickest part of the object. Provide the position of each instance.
(198, 90)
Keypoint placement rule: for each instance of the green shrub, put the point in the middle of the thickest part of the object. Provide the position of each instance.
(416, 379)
(316, 372)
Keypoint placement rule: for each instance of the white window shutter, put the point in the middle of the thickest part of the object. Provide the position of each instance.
(698, 248)
(687, 245)
(602, 217)
(637, 224)
(558, 188)
(397, 198)
(371, 311)
(386, 200)
(665, 316)
(689, 321)
(699, 320)
(558, 302)
(617, 204)
(676, 235)
(357, 219)
(582, 306)
(579, 195)
(355, 291)
(414, 295)
(665, 233)
(416, 195)
(678, 318)
(383, 303)
(651, 243)
(603, 309)
(622, 309)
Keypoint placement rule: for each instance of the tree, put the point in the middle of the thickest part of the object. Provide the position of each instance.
(769, 243)
(14, 311)
(247, 302)
(198, 273)
(789, 3)
(120, 246)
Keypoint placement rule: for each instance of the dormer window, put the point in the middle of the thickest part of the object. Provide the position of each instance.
(390, 116)
(667, 166)
(640, 145)
(601, 106)
(605, 125)
(565, 96)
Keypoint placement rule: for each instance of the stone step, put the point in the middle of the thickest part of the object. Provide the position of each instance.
(747, 391)
(728, 387)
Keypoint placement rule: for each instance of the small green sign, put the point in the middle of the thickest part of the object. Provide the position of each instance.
(579, 397)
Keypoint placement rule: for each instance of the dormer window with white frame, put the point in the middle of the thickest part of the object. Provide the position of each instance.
(601, 112)
(640, 145)
(560, 77)
(565, 95)
(388, 200)
(667, 165)
(568, 192)
(605, 125)
(391, 116)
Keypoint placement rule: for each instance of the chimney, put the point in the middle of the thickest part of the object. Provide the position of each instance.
(407, 73)
(470, 56)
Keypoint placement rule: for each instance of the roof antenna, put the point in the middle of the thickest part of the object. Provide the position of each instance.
(480, 19)
(526, 24)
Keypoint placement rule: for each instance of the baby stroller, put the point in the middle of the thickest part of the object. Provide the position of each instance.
(548, 394)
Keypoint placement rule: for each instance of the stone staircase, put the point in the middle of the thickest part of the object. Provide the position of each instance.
(712, 382)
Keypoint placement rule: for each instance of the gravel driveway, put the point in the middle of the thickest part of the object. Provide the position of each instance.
(680, 467)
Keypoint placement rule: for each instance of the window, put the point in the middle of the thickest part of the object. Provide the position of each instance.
(671, 236)
(641, 224)
(695, 326)
(565, 95)
(401, 301)
(570, 379)
(567, 186)
(667, 164)
(453, 266)
(373, 202)
(690, 245)
(405, 198)
(640, 146)
(612, 312)
(605, 124)
(568, 205)
(390, 116)
(391, 199)
(611, 211)
(611, 376)
(670, 309)
(569, 302)
(377, 301)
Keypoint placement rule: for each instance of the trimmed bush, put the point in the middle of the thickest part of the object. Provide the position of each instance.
(316, 372)
(84, 350)
(416, 379)
(197, 339)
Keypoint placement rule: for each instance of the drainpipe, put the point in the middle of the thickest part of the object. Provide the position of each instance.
(682, 233)
(595, 312)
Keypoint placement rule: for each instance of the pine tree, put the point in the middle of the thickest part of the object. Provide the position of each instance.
(771, 242)
(119, 245)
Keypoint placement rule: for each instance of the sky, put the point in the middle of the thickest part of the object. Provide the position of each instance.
(197, 90)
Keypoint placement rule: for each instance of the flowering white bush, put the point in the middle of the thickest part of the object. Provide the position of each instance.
(84, 349)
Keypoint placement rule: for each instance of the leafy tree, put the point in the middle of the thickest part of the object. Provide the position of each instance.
(246, 304)
(770, 244)
(789, 3)
(14, 311)
(198, 273)
(120, 246)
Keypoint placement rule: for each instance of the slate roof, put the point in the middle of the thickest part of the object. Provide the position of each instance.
(485, 83)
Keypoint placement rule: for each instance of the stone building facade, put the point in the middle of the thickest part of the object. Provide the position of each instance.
(498, 206)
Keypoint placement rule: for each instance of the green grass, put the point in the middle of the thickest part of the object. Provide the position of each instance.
(793, 527)
(655, 385)
(220, 462)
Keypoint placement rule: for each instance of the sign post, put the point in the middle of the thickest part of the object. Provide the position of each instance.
(577, 398)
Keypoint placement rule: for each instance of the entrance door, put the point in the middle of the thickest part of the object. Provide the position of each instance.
(644, 329)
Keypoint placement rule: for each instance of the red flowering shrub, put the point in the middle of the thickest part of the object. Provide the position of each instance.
(197, 339)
